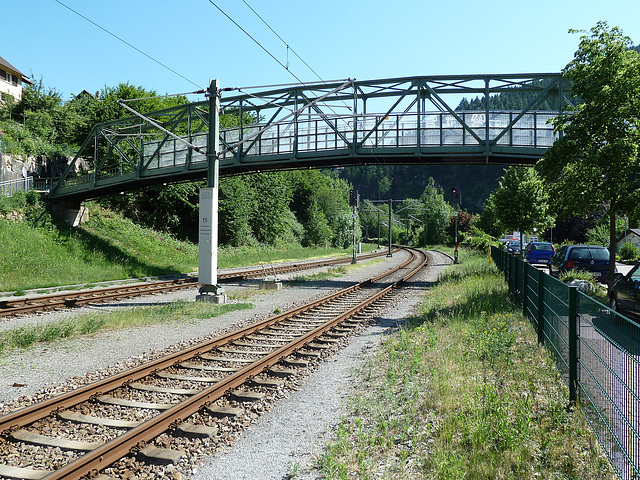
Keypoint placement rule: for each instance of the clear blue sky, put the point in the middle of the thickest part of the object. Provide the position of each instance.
(362, 39)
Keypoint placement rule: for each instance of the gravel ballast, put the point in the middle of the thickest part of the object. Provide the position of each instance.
(284, 440)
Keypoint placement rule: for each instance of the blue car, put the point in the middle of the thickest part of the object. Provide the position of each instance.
(539, 252)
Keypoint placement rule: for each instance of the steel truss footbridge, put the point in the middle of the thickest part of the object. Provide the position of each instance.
(410, 120)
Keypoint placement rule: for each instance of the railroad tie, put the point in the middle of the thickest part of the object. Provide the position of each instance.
(280, 372)
(153, 388)
(207, 368)
(266, 382)
(317, 346)
(307, 354)
(107, 422)
(8, 471)
(188, 378)
(163, 456)
(220, 412)
(295, 362)
(26, 436)
(108, 399)
(246, 396)
(191, 430)
(214, 358)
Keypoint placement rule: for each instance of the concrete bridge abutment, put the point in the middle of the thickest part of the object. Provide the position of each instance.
(71, 212)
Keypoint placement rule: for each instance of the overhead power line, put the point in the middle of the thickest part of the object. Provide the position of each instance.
(255, 41)
(282, 40)
(128, 44)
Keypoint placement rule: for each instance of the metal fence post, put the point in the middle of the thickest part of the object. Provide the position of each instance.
(525, 293)
(573, 344)
(540, 307)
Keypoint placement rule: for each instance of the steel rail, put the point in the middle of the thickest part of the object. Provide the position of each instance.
(84, 297)
(40, 410)
(137, 437)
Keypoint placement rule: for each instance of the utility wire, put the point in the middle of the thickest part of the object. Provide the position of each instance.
(289, 48)
(282, 40)
(256, 41)
(128, 44)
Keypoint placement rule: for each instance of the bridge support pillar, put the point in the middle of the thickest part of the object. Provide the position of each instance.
(72, 213)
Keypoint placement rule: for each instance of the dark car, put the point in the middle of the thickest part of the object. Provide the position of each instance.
(513, 246)
(591, 258)
(625, 293)
(539, 252)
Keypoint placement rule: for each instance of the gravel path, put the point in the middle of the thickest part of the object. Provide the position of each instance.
(283, 441)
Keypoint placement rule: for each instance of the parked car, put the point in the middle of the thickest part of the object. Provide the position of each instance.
(539, 252)
(625, 293)
(592, 258)
(513, 246)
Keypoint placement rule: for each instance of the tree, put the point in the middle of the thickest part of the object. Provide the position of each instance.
(521, 201)
(595, 161)
(436, 214)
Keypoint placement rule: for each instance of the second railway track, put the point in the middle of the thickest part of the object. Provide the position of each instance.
(43, 303)
(126, 412)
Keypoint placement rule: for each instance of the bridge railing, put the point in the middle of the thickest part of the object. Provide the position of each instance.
(327, 133)
(371, 132)
(597, 353)
(9, 187)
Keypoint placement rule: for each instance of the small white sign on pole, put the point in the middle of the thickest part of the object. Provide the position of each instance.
(208, 237)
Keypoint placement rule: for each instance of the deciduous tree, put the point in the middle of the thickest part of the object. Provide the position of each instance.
(521, 201)
(595, 162)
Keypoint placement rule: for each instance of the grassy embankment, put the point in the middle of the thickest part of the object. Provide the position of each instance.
(110, 247)
(464, 391)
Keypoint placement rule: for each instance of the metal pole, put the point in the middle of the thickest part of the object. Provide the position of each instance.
(208, 210)
(573, 344)
(455, 238)
(389, 254)
(354, 259)
(378, 229)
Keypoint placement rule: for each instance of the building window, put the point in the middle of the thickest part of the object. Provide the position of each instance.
(14, 80)
(3, 74)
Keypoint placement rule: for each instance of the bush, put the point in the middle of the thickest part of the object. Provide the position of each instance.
(628, 251)
(478, 240)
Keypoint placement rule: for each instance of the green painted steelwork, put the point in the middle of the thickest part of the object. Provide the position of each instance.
(395, 121)
(596, 352)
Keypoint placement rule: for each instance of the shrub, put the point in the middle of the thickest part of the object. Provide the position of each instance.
(628, 251)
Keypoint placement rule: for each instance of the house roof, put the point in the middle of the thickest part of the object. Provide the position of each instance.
(8, 66)
(634, 231)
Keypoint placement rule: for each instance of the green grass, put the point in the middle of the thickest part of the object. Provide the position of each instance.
(91, 323)
(464, 391)
(229, 257)
(110, 247)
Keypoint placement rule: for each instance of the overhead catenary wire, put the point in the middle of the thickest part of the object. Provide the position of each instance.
(282, 40)
(264, 48)
(255, 41)
(127, 43)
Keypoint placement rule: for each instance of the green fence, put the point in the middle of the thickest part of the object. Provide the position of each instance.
(597, 352)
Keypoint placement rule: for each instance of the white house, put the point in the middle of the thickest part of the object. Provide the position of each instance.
(633, 236)
(12, 79)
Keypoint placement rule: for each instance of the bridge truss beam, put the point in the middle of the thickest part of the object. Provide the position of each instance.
(409, 120)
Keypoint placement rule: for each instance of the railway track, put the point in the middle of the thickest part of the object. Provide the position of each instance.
(42, 303)
(100, 423)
